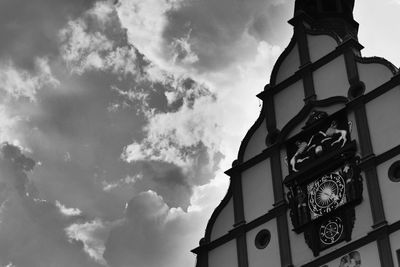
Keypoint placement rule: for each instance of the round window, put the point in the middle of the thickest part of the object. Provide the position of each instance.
(394, 172)
(262, 239)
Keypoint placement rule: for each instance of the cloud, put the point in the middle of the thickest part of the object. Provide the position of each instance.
(16, 82)
(92, 234)
(32, 229)
(68, 211)
(94, 41)
(203, 36)
(151, 228)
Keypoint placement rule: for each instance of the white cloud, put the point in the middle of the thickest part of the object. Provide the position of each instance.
(67, 211)
(145, 21)
(17, 82)
(92, 235)
(8, 123)
(129, 180)
(173, 137)
(87, 48)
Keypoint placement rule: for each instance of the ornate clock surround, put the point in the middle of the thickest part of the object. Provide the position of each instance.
(324, 182)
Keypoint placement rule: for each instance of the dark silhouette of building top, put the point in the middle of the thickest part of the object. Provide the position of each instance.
(334, 15)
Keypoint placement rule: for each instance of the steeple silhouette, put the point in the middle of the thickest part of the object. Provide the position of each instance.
(334, 15)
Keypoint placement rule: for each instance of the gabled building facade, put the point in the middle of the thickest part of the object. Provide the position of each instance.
(316, 181)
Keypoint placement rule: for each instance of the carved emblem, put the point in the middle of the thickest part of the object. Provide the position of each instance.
(318, 142)
(324, 180)
(331, 231)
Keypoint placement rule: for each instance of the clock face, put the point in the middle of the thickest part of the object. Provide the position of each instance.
(331, 231)
(326, 194)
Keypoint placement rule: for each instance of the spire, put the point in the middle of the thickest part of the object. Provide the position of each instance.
(335, 15)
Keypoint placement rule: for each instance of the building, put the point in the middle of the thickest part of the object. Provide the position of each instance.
(316, 181)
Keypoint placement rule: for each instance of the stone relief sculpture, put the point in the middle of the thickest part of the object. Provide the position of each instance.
(320, 142)
(333, 130)
(353, 259)
(300, 156)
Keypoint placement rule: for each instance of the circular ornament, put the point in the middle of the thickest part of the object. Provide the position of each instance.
(330, 231)
(262, 239)
(394, 172)
(326, 193)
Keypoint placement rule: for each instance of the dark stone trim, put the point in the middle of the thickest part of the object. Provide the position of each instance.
(398, 257)
(282, 223)
(375, 198)
(300, 34)
(351, 67)
(244, 228)
(269, 110)
(241, 245)
(385, 251)
(284, 240)
(276, 172)
(202, 259)
(391, 153)
(237, 194)
(378, 60)
(377, 160)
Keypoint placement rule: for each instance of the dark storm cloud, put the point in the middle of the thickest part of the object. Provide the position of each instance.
(30, 28)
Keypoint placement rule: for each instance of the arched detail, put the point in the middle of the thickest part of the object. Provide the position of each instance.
(305, 111)
(378, 60)
(249, 134)
(216, 212)
(280, 60)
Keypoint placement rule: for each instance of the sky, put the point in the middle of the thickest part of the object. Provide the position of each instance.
(118, 119)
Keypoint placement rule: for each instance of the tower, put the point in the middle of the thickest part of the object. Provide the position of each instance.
(316, 180)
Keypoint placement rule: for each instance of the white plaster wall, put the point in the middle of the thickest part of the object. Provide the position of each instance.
(373, 75)
(268, 256)
(390, 191)
(288, 103)
(384, 120)
(395, 244)
(224, 255)
(363, 223)
(256, 143)
(320, 45)
(258, 195)
(369, 257)
(289, 65)
(224, 221)
(331, 79)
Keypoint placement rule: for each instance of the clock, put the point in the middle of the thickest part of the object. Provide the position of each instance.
(326, 194)
(331, 231)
